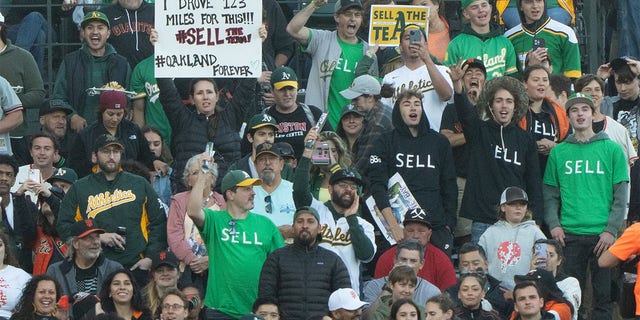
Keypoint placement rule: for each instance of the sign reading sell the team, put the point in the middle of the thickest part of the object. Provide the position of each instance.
(208, 38)
(387, 22)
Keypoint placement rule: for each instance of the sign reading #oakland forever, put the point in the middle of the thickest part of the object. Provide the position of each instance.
(208, 38)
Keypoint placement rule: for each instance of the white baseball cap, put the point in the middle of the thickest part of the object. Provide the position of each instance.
(364, 84)
(345, 298)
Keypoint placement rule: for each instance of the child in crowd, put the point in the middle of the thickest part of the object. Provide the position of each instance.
(507, 241)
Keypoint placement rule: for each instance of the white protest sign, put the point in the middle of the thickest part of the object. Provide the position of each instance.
(208, 38)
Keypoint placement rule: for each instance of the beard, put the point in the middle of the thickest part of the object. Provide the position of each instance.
(107, 167)
(341, 200)
(268, 176)
(304, 239)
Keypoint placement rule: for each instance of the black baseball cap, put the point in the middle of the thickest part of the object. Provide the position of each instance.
(345, 174)
(164, 258)
(475, 63)
(53, 105)
(416, 215)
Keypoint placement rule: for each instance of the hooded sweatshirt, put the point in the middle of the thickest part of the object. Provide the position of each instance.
(130, 30)
(495, 51)
(559, 39)
(425, 163)
(508, 249)
(591, 181)
(502, 156)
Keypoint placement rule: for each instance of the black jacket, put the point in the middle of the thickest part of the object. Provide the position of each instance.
(23, 233)
(135, 144)
(425, 163)
(494, 295)
(301, 279)
(191, 129)
(135, 46)
(500, 157)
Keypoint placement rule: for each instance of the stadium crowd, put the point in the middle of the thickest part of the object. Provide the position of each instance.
(473, 171)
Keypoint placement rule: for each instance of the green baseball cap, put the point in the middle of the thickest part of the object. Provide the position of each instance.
(238, 178)
(284, 77)
(94, 15)
(262, 119)
(579, 97)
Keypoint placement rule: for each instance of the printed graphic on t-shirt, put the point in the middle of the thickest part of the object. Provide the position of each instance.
(509, 254)
(630, 121)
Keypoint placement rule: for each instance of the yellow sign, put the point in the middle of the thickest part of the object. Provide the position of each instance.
(387, 22)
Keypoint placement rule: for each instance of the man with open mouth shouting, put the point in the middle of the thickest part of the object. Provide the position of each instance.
(335, 55)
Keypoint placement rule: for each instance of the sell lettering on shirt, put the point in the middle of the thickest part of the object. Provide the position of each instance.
(413, 161)
(582, 167)
(506, 156)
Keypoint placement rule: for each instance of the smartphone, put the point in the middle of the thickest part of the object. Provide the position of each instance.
(415, 36)
(34, 174)
(538, 43)
(320, 155)
(540, 251)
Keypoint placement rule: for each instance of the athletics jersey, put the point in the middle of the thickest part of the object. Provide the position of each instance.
(404, 78)
(560, 41)
(496, 53)
(336, 237)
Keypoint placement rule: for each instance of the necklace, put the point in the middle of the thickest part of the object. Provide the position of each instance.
(207, 200)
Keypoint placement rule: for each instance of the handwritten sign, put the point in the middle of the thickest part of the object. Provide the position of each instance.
(208, 38)
(387, 22)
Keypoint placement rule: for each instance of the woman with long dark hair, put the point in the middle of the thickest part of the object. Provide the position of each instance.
(39, 299)
(405, 309)
(120, 294)
(212, 116)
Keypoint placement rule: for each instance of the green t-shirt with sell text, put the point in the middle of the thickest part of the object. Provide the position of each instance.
(237, 249)
(586, 174)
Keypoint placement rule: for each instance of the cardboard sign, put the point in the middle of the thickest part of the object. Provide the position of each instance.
(208, 38)
(387, 22)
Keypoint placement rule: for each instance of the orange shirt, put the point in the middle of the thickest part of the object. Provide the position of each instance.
(626, 246)
(439, 41)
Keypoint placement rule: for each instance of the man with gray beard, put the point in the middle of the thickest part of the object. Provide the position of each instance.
(274, 198)
(82, 273)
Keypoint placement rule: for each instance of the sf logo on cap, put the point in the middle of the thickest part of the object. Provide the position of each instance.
(163, 255)
(88, 223)
(418, 213)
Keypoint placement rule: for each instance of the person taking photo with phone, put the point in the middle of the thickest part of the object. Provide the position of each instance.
(421, 74)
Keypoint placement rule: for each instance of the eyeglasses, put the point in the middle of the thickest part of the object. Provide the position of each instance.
(232, 224)
(176, 307)
(345, 185)
(268, 207)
